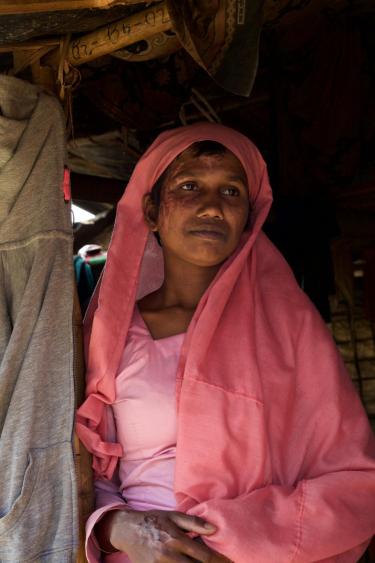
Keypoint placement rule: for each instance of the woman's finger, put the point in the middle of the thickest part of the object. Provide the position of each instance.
(192, 523)
(195, 550)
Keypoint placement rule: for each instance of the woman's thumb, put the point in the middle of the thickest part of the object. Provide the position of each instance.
(192, 523)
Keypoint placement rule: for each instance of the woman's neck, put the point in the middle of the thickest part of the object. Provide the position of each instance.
(169, 310)
(185, 291)
(183, 286)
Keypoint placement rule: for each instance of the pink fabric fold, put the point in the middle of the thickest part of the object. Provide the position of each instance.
(273, 445)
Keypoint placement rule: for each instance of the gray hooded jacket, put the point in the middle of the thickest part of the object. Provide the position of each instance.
(38, 509)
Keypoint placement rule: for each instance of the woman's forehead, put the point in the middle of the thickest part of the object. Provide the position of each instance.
(188, 162)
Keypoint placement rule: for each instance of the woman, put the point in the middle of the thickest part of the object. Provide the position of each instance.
(220, 395)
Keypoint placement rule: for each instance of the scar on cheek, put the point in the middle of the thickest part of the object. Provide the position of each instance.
(150, 533)
(172, 202)
(169, 199)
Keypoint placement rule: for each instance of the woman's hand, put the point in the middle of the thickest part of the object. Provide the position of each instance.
(158, 536)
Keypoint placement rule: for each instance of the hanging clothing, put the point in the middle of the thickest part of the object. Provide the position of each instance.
(38, 499)
(273, 445)
(222, 37)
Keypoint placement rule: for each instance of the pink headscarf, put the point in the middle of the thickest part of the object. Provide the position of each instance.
(273, 445)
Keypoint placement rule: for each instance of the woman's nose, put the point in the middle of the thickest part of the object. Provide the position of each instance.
(210, 207)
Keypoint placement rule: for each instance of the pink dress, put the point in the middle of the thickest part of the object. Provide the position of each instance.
(144, 421)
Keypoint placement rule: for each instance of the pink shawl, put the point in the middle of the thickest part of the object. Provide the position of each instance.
(273, 445)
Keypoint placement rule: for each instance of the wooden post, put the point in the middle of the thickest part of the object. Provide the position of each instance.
(117, 35)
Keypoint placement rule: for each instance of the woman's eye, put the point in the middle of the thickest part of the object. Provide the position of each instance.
(188, 186)
(231, 191)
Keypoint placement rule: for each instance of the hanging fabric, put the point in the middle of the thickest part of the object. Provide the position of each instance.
(38, 504)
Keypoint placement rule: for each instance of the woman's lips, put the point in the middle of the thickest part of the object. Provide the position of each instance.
(208, 234)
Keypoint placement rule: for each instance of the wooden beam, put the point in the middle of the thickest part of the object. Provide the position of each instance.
(37, 6)
(272, 8)
(120, 34)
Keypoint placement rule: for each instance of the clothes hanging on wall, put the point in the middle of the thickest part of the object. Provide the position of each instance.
(38, 504)
(222, 37)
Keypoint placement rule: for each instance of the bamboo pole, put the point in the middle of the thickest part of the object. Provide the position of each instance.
(117, 35)
(159, 45)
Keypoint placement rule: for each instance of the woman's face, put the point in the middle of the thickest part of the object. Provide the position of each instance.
(204, 208)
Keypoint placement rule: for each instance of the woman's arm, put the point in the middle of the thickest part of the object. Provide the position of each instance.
(108, 499)
(323, 443)
(147, 536)
(158, 536)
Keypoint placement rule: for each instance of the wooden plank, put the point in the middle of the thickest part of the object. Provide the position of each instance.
(35, 6)
(117, 35)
